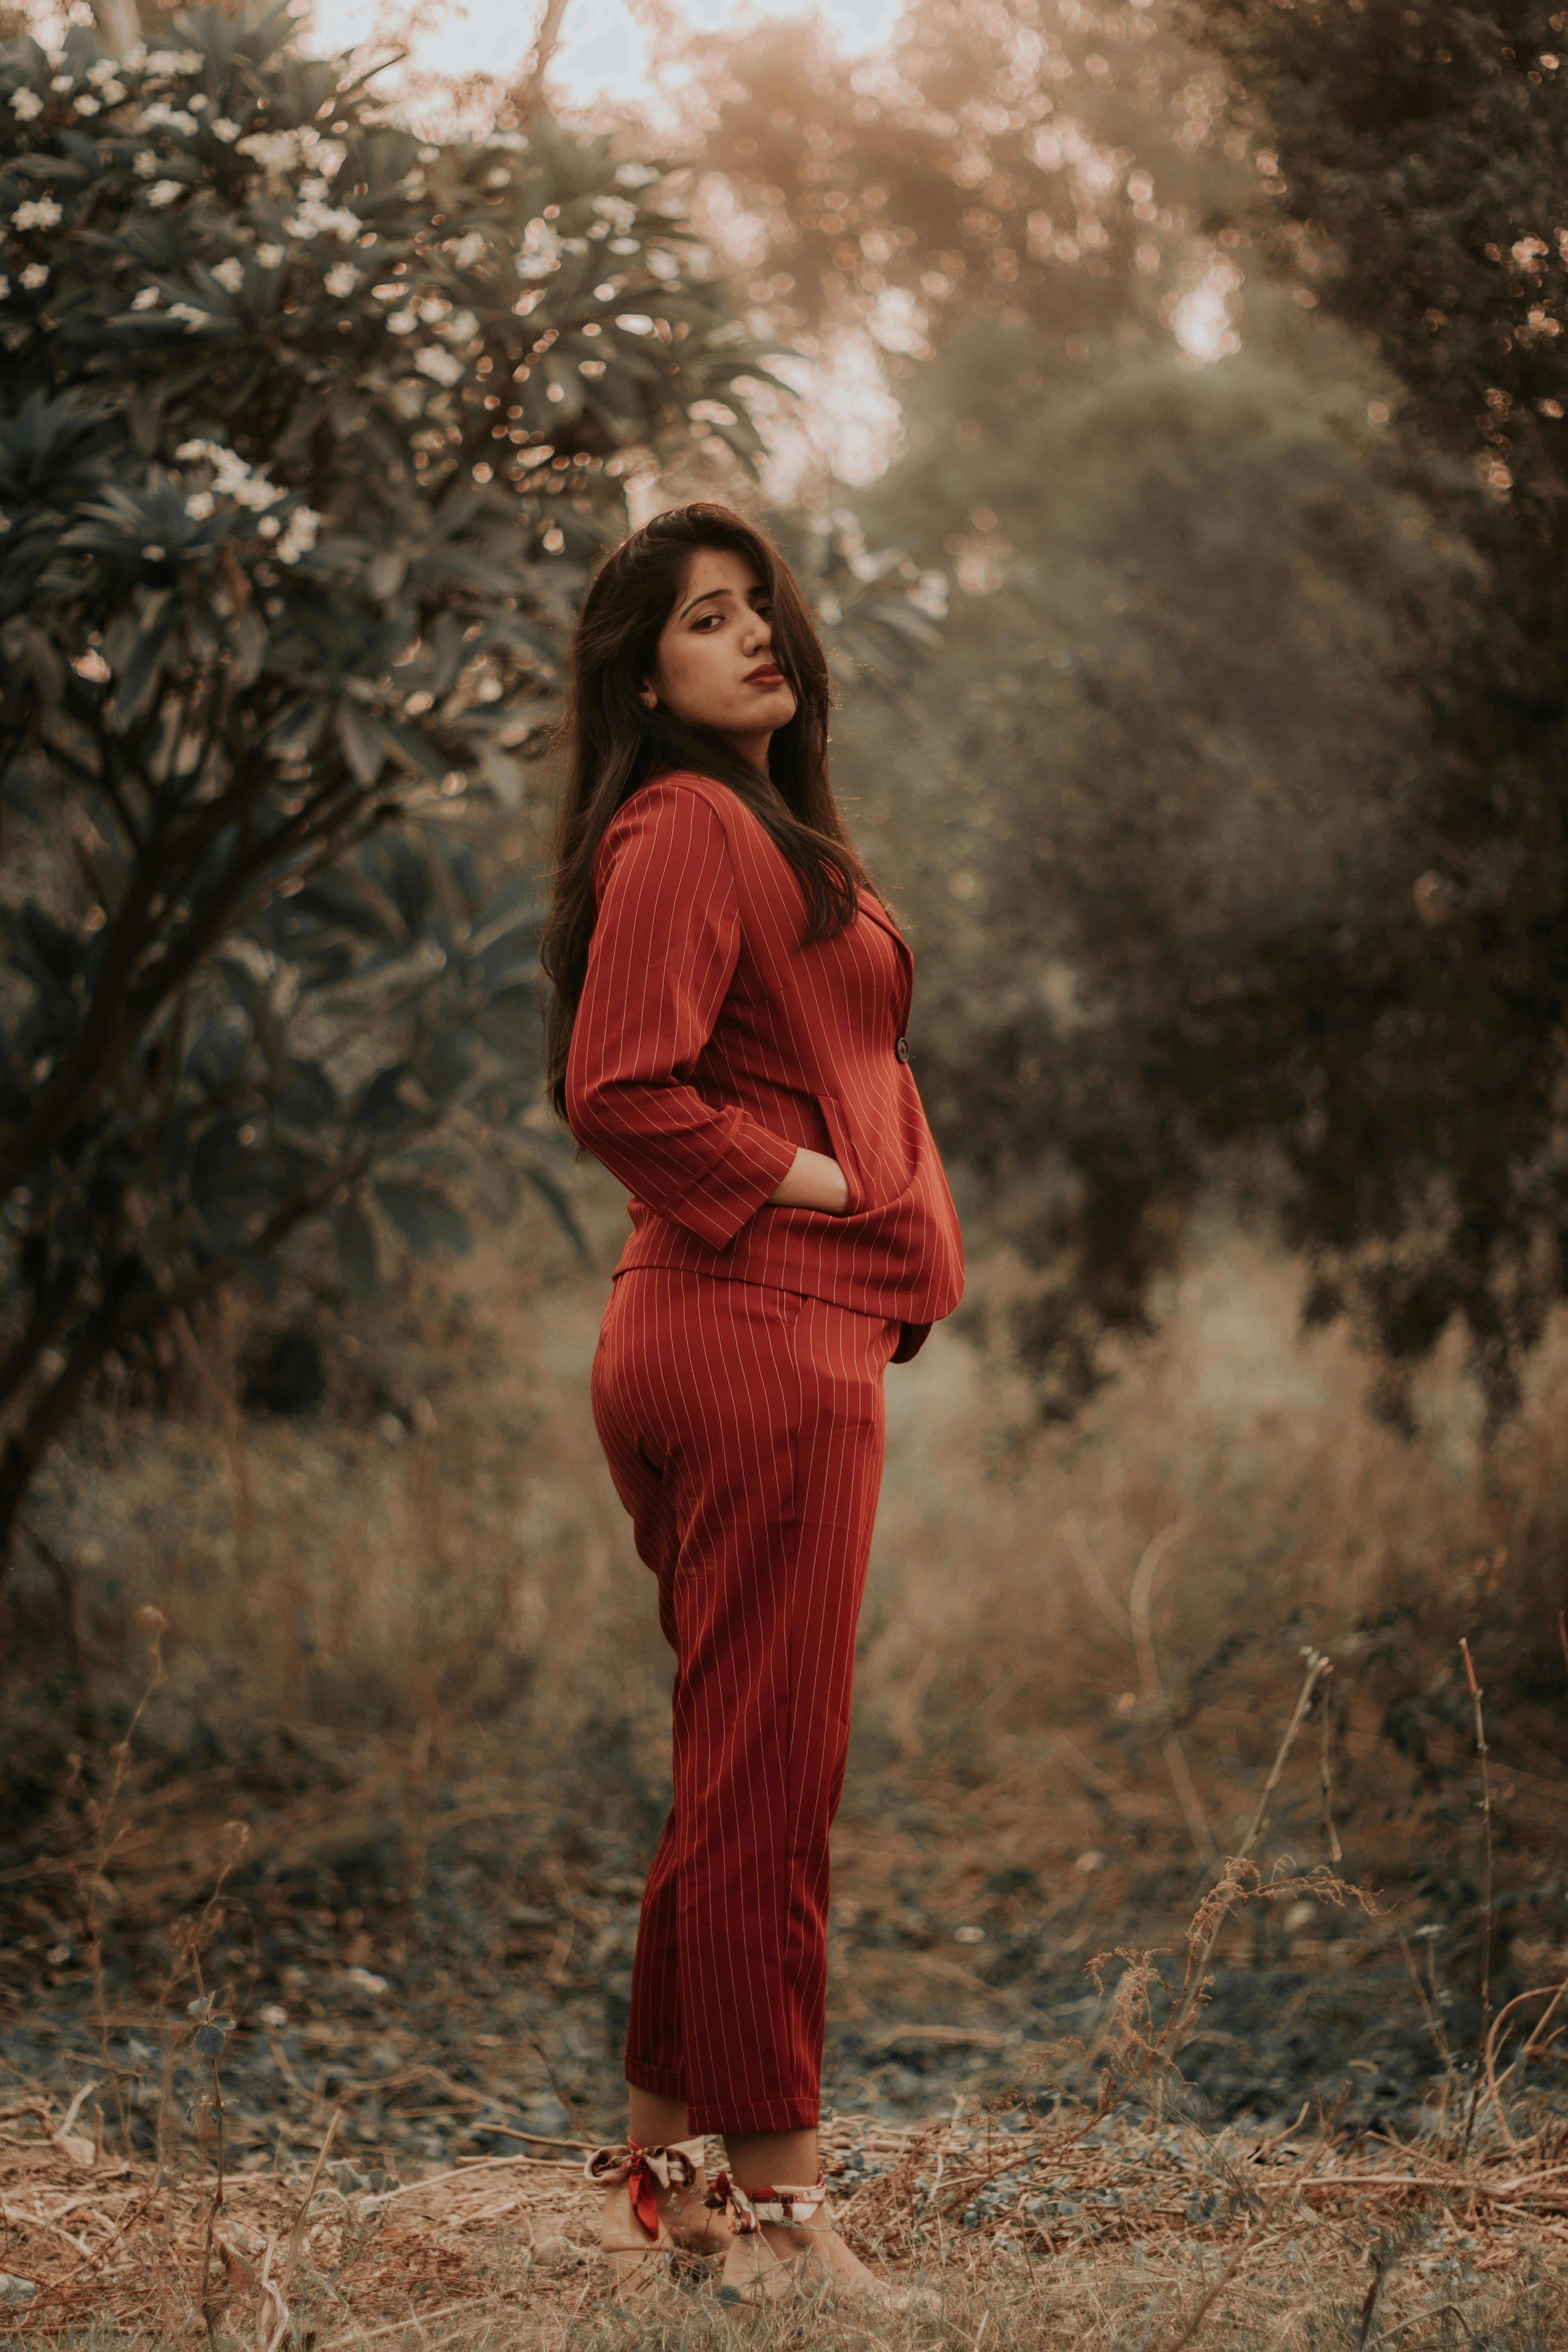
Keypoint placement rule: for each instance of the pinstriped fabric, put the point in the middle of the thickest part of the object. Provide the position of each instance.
(708, 1044)
(743, 1429)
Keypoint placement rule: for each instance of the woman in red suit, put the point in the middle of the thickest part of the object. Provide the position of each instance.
(727, 1036)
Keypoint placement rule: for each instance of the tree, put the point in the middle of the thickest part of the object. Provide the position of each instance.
(1413, 176)
(1354, 1007)
(309, 432)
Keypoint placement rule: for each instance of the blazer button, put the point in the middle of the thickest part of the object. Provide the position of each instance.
(902, 1049)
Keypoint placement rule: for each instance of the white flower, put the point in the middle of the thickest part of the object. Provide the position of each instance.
(269, 257)
(402, 322)
(146, 301)
(197, 104)
(135, 56)
(101, 70)
(189, 313)
(274, 2016)
(144, 165)
(459, 327)
(174, 118)
(270, 526)
(273, 150)
(174, 61)
(469, 249)
(232, 476)
(340, 282)
(443, 366)
(540, 247)
(230, 273)
(314, 218)
(200, 505)
(38, 212)
(86, 105)
(112, 92)
(34, 276)
(164, 191)
(25, 104)
(433, 310)
(225, 130)
(300, 535)
(62, 81)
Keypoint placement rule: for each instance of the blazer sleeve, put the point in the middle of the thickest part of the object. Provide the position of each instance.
(666, 944)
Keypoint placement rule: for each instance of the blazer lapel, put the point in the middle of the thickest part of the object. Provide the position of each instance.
(873, 907)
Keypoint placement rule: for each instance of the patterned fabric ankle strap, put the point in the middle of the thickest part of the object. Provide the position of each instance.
(746, 2208)
(645, 2170)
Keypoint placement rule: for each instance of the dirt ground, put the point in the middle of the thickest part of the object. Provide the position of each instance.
(391, 1799)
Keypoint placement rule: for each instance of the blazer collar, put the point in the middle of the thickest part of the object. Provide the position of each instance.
(872, 906)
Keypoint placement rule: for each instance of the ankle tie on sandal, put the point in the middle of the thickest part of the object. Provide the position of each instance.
(645, 2170)
(746, 2208)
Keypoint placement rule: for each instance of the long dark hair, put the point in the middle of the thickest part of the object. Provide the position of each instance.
(616, 743)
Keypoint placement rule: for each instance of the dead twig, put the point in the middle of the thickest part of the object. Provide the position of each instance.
(296, 2234)
(1486, 1984)
(1318, 1668)
(1433, 2311)
(1253, 2239)
(1326, 1775)
(1095, 1583)
(1142, 1636)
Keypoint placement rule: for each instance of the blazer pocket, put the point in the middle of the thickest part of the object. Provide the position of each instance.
(844, 1151)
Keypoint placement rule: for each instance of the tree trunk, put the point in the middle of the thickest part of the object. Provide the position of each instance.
(25, 1450)
(530, 96)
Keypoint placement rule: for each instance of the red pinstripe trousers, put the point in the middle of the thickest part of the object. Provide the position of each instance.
(743, 1428)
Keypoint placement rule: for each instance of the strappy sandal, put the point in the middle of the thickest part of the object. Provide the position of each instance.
(754, 2274)
(635, 2235)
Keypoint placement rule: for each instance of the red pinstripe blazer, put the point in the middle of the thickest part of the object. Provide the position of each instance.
(709, 1044)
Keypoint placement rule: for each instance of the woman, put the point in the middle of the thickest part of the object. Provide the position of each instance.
(727, 1036)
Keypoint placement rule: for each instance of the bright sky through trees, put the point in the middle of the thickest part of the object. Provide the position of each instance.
(602, 50)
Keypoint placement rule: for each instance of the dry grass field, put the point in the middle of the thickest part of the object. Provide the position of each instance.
(402, 1754)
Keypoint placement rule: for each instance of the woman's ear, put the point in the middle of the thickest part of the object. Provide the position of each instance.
(649, 699)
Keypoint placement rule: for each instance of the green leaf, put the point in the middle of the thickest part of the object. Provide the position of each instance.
(426, 1219)
(550, 1191)
(365, 743)
(358, 1269)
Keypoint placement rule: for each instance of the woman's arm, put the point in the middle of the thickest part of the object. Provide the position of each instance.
(814, 1181)
(664, 952)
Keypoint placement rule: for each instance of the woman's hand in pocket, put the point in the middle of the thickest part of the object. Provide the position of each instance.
(814, 1181)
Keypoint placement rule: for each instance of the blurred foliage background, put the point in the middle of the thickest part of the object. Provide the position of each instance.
(1161, 403)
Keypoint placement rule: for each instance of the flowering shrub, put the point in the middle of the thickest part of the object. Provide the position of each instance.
(307, 432)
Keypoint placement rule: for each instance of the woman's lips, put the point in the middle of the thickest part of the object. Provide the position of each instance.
(766, 675)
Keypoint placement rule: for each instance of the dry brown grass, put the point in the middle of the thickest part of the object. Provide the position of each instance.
(415, 1626)
(1296, 2231)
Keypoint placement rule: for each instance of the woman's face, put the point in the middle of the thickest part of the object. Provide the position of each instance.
(714, 667)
